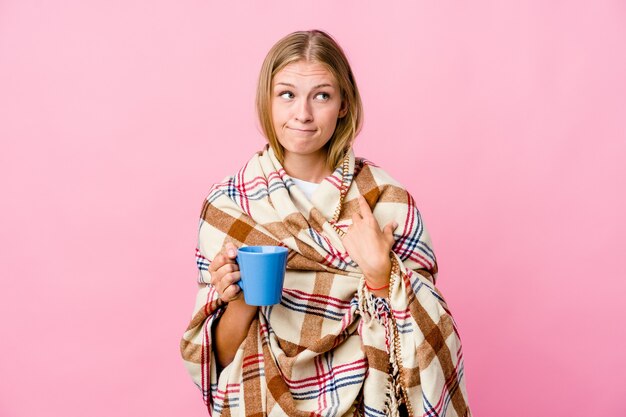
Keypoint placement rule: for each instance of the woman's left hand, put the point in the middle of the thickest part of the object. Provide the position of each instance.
(369, 246)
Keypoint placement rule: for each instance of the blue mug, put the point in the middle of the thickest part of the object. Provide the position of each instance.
(262, 273)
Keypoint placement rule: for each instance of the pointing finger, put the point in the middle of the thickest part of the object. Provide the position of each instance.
(364, 208)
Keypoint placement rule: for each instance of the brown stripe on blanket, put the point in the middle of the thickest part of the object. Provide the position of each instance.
(316, 219)
(295, 223)
(252, 384)
(328, 342)
(290, 349)
(238, 229)
(217, 218)
(348, 208)
(205, 207)
(307, 259)
(372, 197)
(376, 358)
(278, 229)
(226, 407)
(190, 351)
(300, 262)
(393, 194)
(312, 324)
(424, 351)
(367, 186)
(427, 274)
(278, 388)
(435, 342)
(411, 377)
(289, 355)
(385, 194)
(426, 354)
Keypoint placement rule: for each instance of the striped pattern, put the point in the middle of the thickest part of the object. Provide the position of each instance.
(330, 348)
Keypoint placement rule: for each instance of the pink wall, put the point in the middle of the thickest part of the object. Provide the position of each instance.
(507, 122)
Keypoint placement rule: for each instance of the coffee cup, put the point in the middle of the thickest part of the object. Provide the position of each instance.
(262, 273)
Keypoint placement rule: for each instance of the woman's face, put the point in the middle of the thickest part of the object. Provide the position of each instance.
(306, 103)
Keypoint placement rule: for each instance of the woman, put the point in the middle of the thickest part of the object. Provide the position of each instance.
(332, 347)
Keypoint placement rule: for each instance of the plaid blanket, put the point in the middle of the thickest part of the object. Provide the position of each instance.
(330, 348)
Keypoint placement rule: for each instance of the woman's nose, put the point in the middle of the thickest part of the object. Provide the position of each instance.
(303, 111)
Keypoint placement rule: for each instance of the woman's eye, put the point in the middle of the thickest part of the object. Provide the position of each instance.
(289, 95)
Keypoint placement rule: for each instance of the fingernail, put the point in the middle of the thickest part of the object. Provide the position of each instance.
(231, 253)
(395, 224)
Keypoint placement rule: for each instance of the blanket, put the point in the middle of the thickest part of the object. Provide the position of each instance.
(331, 347)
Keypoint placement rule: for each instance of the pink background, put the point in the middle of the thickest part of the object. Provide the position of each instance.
(506, 121)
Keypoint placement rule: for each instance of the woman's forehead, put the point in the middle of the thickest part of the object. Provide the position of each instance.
(304, 72)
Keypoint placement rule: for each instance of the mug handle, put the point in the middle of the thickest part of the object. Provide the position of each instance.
(240, 280)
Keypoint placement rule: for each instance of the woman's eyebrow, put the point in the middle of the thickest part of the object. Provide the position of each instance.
(317, 86)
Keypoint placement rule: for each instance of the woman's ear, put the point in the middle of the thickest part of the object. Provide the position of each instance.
(343, 110)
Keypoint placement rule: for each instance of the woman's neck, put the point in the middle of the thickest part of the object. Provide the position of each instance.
(311, 168)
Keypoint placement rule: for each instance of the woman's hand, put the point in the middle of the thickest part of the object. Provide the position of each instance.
(369, 246)
(225, 274)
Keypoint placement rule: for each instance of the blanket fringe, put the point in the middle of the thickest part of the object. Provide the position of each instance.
(372, 307)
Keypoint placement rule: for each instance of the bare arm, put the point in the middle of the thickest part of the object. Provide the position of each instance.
(232, 327)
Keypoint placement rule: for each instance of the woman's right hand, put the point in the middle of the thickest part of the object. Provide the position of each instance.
(225, 274)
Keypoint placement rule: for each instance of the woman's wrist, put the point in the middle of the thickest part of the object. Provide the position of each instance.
(378, 283)
(372, 288)
(241, 307)
(379, 277)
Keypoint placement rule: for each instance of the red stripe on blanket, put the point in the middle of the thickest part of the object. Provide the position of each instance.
(322, 299)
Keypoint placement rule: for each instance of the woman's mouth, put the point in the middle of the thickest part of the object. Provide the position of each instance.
(306, 131)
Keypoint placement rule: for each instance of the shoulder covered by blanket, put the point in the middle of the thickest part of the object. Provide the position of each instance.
(261, 205)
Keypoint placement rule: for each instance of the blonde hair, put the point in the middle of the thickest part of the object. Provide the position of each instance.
(319, 47)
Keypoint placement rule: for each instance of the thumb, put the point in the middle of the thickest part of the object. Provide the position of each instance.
(231, 250)
(388, 230)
